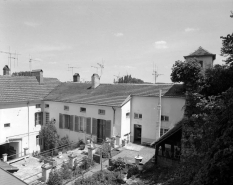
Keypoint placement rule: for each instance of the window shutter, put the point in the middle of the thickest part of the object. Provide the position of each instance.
(35, 118)
(84, 124)
(88, 126)
(71, 122)
(94, 126)
(60, 121)
(41, 118)
(108, 129)
(76, 123)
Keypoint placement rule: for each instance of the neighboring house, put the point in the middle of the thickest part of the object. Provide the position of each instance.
(205, 58)
(97, 111)
(20, 111)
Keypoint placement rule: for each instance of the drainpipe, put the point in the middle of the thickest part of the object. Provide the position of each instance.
(159, 111)
(28, 124)
(114, 112)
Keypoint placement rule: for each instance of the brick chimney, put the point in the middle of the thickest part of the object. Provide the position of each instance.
(38, 73)
(95, 81)
(6, 70)
(76, 77)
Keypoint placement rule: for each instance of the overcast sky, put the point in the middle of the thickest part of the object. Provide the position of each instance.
(127, 35)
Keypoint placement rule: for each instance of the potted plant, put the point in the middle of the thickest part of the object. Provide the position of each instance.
(82, 144)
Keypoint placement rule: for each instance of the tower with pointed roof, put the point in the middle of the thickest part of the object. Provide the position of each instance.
(205, 58)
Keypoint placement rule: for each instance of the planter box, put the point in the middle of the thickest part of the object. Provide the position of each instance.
(96, 158)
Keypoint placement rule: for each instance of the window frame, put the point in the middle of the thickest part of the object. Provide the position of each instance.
(127, 115)
(47, 113)
(40, 120)
(164, 118)
(7, 125)
(83, 109)
(101, 112)
(137, 116)
(38, 106)
(66, 108)
(66, 121)
(46, 106)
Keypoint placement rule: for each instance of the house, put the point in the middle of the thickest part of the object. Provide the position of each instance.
(125, 111)
(20, 111)
(205, 58)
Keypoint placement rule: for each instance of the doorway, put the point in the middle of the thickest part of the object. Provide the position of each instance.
(137, 133)
(101, 135)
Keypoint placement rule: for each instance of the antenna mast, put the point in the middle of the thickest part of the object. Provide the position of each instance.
(96, 68)
(69, 67)
(30, 62)
(155, 72)
(101, 67)
(11, 56)
(118, 76)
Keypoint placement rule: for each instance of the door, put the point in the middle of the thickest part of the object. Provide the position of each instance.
(101, 136)
(137, 133)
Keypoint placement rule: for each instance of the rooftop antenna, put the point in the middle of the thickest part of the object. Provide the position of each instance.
(11, 56)
(101, 67)
(30, 62)
(96, 68)
(155, 72)
(70, 67)
(118, 76)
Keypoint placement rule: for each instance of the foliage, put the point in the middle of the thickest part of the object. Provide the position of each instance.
(64, 142)
(49, 135)
(227, 47)
(129, 79)
(86, 163)
(66, 172)
(54, 178)
(22, 73)
(133, 170)
(189, 72)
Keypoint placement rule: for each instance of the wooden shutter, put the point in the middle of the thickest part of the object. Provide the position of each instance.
(108, 129)
(71, 122)
(35, 119)
(41, 118)
(60, 121)
(94, 126)
(88, 126)
(84, 124)
(76, 123)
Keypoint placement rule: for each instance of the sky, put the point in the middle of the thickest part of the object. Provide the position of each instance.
(126, 36)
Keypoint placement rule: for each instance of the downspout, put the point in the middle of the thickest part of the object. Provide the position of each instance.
(159, 111)
(28, 124)
(114, 112)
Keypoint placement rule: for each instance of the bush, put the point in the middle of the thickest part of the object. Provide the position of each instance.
(66, 172)
(133, 170)
(54, 178)
(86, 163)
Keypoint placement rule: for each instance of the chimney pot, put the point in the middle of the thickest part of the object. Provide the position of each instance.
(76, 77)
(95, 81)
(6, 70)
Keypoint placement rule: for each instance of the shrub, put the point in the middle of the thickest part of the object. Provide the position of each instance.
(66, 173)
(54, 178)
(86, 163)
(133, 170)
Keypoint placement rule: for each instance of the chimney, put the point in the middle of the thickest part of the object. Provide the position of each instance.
(38, 73)
(95, 81)
(6, 70)
(76, 77)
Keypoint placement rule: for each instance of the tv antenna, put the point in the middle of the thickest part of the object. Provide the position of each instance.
(155, 72)
(117, 76)
(96, 68)
(11, 56)
(71, 67)
(101, 67)
(30, 62)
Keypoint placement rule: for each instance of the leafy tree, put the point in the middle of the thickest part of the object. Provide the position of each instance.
(227, 47)
(189, 72)
(49, 135)
(54, 178)
(22, 73)
(129, 79)
(66, 172)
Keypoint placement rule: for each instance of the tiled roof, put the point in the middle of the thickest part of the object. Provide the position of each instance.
(7, 178)
(24, 88)
(108, 94)
(200, 52)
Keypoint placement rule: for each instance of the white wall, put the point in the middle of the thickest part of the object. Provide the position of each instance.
(17, 116)
(147, 106)
(91, 111)
(125, 122)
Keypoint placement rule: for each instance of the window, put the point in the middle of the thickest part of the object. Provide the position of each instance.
(38, 118)
(164, 118)
(101, 111)
(7, 125)
(201, 63)
(46, 105)
(37, 140)
(137, 116)
(127, 114)
(66, 107)
(82, 121)
(46, 118)
(37, 105)
(163, 131)
(82, 109)
(67, 121)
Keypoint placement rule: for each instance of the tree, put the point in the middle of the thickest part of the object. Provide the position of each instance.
(189, 72)
(49, 135)
(54, 178)
(129, 79)
(227, 47)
